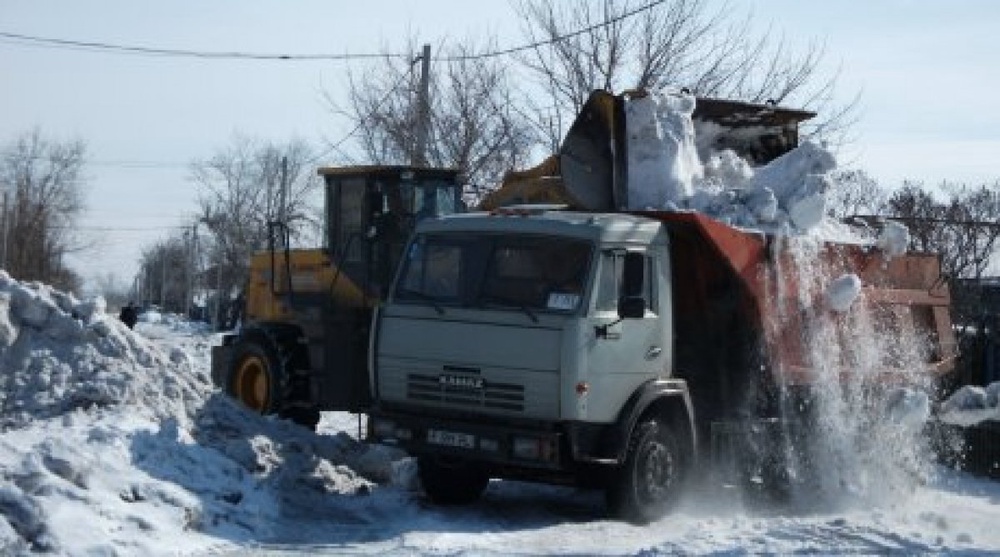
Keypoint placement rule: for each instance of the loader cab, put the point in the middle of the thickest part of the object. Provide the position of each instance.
(371, 211)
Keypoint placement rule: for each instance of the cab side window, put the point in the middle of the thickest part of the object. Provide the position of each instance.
(609, 281)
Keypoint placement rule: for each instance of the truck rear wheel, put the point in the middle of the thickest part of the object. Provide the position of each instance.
(646, 486)
(451, 481)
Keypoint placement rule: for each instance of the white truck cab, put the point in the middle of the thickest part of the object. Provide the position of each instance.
(532, 343)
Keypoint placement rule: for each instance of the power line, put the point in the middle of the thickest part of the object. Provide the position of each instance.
(96, 46)
(139, 164)
(553, 40)
(336, 146)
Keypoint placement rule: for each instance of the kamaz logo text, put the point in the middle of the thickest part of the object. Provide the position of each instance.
(462, 382)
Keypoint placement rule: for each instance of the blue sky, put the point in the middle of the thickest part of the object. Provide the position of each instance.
(926, 71)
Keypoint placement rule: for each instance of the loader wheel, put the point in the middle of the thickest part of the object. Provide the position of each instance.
(647, 485)
(451, 481)
(254, 378)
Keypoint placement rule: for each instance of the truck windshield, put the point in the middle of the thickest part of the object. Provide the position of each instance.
(522, 273)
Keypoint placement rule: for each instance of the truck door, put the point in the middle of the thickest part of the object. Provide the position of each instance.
(624, 353)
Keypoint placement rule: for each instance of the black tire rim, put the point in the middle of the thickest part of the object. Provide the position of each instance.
(656, 472)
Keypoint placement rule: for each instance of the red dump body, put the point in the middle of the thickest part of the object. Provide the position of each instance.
(734, 289)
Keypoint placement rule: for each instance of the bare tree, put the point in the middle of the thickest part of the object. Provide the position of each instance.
(616, 45)
(857, 193)
(475, 123)
(114, 291)
(42, 184)
(243, 192)
(964, 227)
(162, 271)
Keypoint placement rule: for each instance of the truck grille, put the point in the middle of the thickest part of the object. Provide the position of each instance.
(500, 396)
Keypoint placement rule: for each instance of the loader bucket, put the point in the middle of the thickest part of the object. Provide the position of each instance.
(591, 158)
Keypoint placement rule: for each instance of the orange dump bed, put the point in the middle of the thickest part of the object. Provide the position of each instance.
(745, 299)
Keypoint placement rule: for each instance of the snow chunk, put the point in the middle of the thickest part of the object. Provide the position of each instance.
(662, 157)
(909, 407)
(893, 239)
(726, 167)
(993, 395)
(842, 291)
(969, 397)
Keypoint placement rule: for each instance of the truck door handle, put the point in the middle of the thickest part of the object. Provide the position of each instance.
(653, 352)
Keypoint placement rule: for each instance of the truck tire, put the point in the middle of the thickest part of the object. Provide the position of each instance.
(647, 485)
(451, 481)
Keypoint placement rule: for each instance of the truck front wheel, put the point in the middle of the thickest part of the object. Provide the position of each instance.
(648, 483)
(451, 481)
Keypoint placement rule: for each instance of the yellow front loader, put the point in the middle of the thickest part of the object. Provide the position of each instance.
(302, 345)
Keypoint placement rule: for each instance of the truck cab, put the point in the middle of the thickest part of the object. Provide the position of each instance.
(529, 343)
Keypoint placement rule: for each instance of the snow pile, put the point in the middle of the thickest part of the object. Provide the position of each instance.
(58, 353)
(785, 196)
(971, 404)
(115, 442)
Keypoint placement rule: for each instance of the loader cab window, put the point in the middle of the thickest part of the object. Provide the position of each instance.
(609, 282)
(429, 198)
(351, 222)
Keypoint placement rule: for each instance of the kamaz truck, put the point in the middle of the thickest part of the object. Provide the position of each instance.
(609, 350)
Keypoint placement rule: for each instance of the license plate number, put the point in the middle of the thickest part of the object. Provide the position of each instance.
(451, 439)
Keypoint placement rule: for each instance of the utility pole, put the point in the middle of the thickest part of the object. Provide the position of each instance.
(283, 199)
(423, 109)
(163, 280)
(3, 248)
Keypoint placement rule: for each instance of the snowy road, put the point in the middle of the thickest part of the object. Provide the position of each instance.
(956, 514)
(115, 443)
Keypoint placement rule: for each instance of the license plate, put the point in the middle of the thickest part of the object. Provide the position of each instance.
(451, 439)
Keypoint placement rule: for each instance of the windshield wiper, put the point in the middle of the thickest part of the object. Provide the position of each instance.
(510, 302)
(423, 296)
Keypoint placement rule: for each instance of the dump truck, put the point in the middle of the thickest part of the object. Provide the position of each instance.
(587, 344)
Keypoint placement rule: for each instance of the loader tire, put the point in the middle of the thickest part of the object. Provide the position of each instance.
(258, 378)
(649, 482)
(255, 378)
(449, 481)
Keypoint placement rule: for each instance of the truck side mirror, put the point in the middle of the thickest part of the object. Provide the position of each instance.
(631, 305)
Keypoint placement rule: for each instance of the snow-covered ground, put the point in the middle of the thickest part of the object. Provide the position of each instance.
(115, 443)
